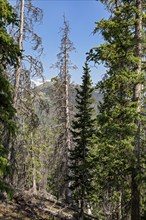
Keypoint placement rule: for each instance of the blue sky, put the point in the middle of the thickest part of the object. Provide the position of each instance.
(81, 15)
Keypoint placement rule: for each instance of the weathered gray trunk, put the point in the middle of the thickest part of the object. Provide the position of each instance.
(135, 191)
(34, 185)
(18, 67)
(10, 145)
(81, 213)
(67, 116)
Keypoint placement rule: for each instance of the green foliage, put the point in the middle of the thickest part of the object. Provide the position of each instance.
(8, 56)
(83, 131)
(6, 108)
(5, 187)
(9, 49)
(113, 157)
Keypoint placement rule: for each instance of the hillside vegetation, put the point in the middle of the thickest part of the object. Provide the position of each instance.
(71, 151)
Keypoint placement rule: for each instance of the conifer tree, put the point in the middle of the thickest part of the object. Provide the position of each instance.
(8, 56)
(62, 87)
(120, 151)
(28, 66)
(83, 130)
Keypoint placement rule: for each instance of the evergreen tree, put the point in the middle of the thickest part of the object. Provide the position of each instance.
(119, 152)
(83, 130)
(8, 56)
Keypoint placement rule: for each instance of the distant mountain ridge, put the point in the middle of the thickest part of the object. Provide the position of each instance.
(46, 89)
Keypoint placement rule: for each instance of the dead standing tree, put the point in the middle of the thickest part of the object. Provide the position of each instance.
(29, 65)
(63, 109)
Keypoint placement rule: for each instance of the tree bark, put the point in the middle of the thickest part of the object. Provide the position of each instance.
(81, 217)
(135, 191)
(67, 114)
(34, 186)
(18, 67)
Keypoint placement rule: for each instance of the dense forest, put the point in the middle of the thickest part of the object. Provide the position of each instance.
(78, 147)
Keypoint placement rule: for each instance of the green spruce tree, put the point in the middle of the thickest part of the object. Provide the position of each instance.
(119, 152)
(83, 131)
(8, 56)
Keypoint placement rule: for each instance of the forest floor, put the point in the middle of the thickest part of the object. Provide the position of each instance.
(26, 207)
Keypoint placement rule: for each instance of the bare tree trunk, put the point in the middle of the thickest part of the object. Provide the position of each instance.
(67, 115)
(81, 217)
(120, 206)
(135, 192)
(18, 68)
(17, 76)
(34, 186)
(63, 116)
(10, 146)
